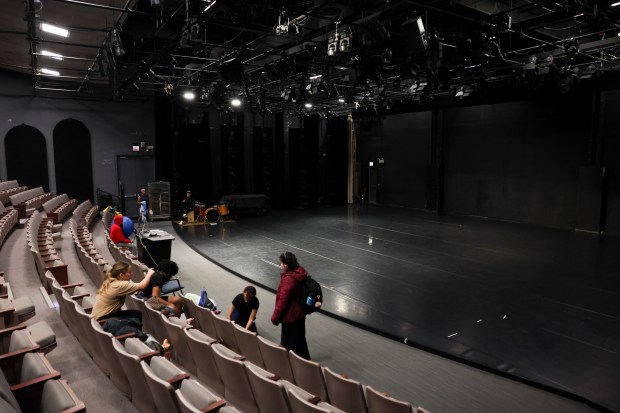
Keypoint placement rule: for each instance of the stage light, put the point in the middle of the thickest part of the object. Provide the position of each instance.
(52, 54)
(59, 31)
(49, 72)
(189, 95)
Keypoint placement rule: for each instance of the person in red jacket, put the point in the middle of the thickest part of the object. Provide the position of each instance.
(287, 310)
(117, 236)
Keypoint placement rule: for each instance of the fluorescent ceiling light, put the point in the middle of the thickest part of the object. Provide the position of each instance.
(49, 72)
(52, 54)
(615, 4)
(189, 95)
(316, 77)
(54, 30)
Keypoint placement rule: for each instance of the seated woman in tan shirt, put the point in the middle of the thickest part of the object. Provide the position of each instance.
(117, 285)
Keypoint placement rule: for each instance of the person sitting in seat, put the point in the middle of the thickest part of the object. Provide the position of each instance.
(117, 236)
(117, 285)
(166, 269)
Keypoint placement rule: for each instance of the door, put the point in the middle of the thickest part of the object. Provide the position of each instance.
(133, 173)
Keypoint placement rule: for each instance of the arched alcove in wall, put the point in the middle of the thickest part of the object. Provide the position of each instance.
(26, 156)
(73, 159)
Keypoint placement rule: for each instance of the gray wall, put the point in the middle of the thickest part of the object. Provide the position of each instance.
(113, 126)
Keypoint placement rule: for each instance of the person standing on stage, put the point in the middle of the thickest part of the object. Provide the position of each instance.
(143, 202)
(188, 202)
(244, 308)
(287, 310)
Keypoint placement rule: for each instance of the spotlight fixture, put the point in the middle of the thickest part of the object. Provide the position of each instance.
(115, 39)
(168, 88)
(58, 31)
(189, 95)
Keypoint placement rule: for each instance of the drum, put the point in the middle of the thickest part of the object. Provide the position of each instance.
(222, 209)
(211, 215)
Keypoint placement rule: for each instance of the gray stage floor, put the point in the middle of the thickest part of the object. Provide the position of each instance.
(539, 304)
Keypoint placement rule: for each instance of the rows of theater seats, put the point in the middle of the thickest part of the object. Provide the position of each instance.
(28, 201)
(59, 207)
(8, 188)
(41, 236)
(92, 261)
(210, 359)
(8, 220)
(28, 382)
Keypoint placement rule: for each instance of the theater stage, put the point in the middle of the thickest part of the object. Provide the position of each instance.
(540, 304)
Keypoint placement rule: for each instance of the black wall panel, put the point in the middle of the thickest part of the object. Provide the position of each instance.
(610, 130)
(310, 159)
(406, 151)
(192, 159)
(337, 151)
(26, 157)
(263, 161)
(516, 161)
(296, 176)
(403, 142)
(73, 160)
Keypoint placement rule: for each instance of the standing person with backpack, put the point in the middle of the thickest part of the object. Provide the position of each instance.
(287, 309)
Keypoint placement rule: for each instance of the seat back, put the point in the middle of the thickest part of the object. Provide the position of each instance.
(7, 397)
(237, 388)
(140, 391)
(300, 405)
(194, 397)
(85, 330)
(270, 394)
(225, 332)
(276, 359)
(154, 323)
(308, 375)
(181, 352)
(248, 345)
(205, 321)
(380, 403)
(206, 368)
(115, 371)
(58, 397)
(158, 374)
(345, 394)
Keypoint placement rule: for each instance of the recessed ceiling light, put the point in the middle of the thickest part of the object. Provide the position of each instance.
(54, 30)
